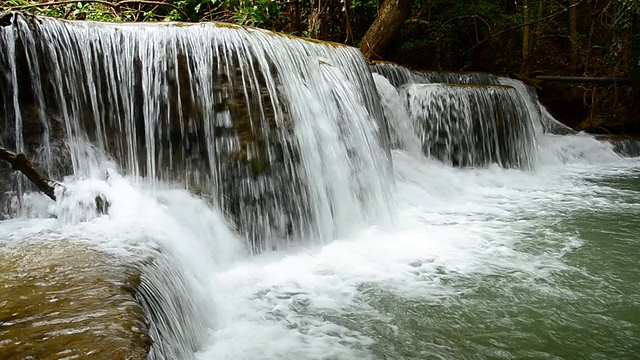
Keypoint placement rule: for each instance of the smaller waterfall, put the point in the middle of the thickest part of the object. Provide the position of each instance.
(399, 75)
(540, 117)
(472, 125)
(169, 241)
(463, 119)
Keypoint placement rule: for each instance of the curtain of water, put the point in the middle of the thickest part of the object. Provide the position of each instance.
(231, 113)
(472, 125)
(463, 126)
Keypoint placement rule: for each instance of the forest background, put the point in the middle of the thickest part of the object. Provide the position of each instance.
(518, 38)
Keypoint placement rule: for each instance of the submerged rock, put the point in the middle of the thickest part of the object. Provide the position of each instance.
(67, 300)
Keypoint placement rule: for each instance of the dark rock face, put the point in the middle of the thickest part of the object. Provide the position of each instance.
(565, 102)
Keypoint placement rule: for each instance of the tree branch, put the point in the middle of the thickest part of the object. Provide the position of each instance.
(159, 3)
(114, 5)
(530, 23)
(20, 163)
(416, 21)
(486, 40)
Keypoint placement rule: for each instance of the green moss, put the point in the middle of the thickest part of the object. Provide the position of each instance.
(258, 167)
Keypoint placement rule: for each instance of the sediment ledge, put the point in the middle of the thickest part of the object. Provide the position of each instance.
(66, 300)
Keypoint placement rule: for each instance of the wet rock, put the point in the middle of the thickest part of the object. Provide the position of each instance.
(65, 300)
(6, 18)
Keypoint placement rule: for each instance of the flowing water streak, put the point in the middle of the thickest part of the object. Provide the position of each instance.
(472, 125)
(10, 95)
(225, 110)
(541, 119)
(401, 128)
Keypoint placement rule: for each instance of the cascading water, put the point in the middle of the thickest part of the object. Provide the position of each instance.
(284, 143)
(472, 125)
(226, 111)
(398, 76)
(402, 130)
(540, 117)
(285, 136)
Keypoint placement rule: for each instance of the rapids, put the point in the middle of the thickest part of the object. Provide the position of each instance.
(280, 201)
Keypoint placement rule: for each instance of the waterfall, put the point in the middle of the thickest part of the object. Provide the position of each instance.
(228, 112)
(463, 119)
(474, 125)
(283, 137)
(399, 75)
(401, 128)
(540, 117)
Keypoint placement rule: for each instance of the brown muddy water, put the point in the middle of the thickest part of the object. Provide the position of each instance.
(66, 300)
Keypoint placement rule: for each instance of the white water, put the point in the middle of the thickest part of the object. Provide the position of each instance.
(284, 135)
(306, 302)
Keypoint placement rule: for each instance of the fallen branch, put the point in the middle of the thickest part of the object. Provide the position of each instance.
(20, 163)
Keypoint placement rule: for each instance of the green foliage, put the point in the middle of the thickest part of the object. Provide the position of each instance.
(289, 16)
(75, 11)
(256, 13)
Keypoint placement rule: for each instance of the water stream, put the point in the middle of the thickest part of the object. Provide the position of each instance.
(280, 201)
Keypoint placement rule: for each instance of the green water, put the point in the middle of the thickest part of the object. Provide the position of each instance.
(583, 304)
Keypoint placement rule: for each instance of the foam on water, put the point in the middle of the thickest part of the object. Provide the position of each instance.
(454, 224)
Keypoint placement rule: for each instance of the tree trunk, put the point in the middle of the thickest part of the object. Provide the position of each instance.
(526, 37)
(315, 19)
(573, 37)
(391, 16)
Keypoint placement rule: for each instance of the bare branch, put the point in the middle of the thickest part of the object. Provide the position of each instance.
(416, 21)
(114, 5)
(159, 3)
(20, 163)
(531, 23)
(486, 40)
(62, 2)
